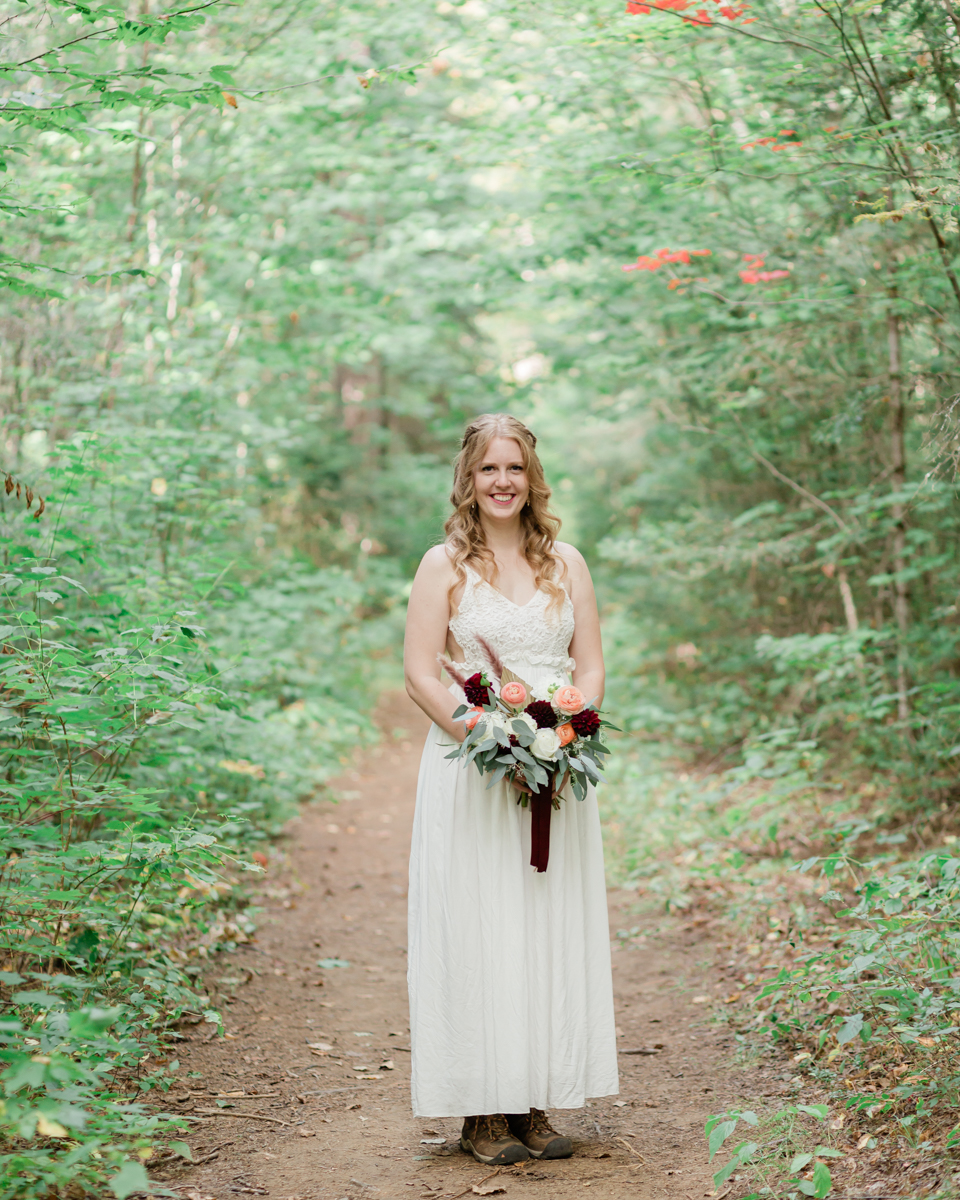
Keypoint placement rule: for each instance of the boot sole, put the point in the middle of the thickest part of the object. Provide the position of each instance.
(503, 1159)
(558, 1148)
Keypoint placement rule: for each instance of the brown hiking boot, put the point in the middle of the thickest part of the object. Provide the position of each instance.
(489, 1140)
(538, 1135)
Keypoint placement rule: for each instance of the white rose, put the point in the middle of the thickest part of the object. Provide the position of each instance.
(545, 688)
(545, 744)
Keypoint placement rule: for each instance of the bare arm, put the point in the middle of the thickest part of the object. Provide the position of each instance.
(586, 647)
(428, 616)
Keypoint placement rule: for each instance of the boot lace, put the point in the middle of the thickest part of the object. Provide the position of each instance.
(493, 1127)
(538, 1122)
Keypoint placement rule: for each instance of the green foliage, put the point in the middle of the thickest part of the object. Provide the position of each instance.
(142, 760)
(781, 1133)
(261, 263)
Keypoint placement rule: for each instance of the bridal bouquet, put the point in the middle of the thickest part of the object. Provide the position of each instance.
(537, 738)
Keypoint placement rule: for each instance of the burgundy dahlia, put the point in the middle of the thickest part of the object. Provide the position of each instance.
(586, 723)
(476, 691)
(543, 713)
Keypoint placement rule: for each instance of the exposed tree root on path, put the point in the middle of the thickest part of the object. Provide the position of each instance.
(325, 1049)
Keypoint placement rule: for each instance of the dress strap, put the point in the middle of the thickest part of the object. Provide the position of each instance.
(473, 578)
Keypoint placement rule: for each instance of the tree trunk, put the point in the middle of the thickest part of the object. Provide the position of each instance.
(901, 598)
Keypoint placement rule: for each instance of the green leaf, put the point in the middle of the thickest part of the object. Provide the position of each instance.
(850, 1029)
(743, 1153)
(132, 1177)
(36, 999)
(719, 1135)
(330, 963)
(222, 74)
(822, 1183)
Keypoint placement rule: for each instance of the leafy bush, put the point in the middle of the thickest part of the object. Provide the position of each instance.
(150, 741)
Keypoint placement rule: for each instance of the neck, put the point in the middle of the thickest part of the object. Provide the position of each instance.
(503, 539)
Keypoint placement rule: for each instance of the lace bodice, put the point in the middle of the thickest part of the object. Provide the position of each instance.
(521, 634)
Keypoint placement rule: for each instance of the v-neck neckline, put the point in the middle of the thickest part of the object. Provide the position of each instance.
(507, 598)
(503, 596)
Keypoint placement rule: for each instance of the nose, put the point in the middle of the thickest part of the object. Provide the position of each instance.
(503, 480)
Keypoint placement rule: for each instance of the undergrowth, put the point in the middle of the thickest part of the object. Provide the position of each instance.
(834, 915)
(156, 726)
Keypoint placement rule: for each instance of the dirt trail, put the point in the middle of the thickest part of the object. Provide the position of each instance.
(341, 1125)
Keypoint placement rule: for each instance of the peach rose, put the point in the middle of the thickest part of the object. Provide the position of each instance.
(472, 717)
(565, 734)
(513, 694)
(569, 699)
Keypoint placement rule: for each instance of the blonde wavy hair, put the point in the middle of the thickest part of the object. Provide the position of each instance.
(465, 538)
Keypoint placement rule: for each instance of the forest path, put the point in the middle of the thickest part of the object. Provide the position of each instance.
(341, 1120)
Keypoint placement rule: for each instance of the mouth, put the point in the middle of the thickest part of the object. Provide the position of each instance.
(504, 499)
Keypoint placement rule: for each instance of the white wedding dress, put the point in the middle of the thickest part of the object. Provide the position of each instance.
(511, 1000)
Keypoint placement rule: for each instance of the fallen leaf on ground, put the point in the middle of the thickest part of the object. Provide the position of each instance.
(432, 1141)
(487, 1189)
(619, 1104)
(700, 1000)
(307, 1132)
(645, 1049)
(388, 1065)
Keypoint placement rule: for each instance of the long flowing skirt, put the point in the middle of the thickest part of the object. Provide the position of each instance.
(511, 1000)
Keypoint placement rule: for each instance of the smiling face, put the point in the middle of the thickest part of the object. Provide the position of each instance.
(500, 480)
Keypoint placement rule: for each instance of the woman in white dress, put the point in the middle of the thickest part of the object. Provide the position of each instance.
(511, 1001)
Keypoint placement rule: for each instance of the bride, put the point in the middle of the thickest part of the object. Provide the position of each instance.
(511, 1002)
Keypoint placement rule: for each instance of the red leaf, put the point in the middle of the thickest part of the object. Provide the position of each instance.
(647, 263)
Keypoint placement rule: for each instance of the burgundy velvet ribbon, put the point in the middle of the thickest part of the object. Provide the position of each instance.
(541, 806)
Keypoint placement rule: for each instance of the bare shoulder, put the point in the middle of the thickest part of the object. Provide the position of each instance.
(436, 566)
(575, 562)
